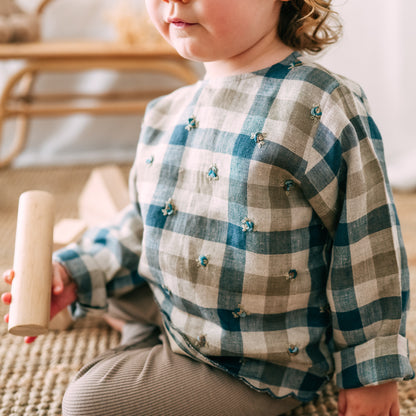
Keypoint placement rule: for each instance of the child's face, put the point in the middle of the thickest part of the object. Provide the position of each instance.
(216, 30)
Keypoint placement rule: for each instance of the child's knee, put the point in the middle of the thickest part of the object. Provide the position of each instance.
(69, 402)
(77, 400)
(93, 392)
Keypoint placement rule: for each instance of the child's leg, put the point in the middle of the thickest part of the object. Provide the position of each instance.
(136, 306)
(138, 313)
(142, 379)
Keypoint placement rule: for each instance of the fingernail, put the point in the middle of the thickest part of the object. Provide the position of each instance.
(6, 318)
(6, 298)
(29, 340)
(8, 276)
(57, 290)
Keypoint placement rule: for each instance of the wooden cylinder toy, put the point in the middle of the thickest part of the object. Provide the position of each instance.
(31, 287)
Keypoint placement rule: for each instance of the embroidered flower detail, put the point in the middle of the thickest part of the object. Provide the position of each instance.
(293, 349)
(288, 185)
(247, 224)
(192, 123)
(294, 64)
(240, 312)
(202, 261)
(201, 341)
(316, 113)
(167, 290)
(169, 208)
(213, 173)
(292, 275)
(258, 138)
(150, 160)
(325, 309)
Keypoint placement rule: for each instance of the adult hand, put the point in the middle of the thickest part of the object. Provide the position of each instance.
(64, 292)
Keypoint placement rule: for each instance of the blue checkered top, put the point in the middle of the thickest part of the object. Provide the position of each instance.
(262, 218)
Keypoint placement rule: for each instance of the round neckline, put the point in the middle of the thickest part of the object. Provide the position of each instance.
(247, 75)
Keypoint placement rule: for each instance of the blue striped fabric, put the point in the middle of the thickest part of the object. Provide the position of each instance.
(263, 221)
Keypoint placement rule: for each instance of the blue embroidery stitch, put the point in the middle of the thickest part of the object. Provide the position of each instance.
(167, 290)
(213, 173)
(169, 208)
(240, 312)
(295, 64)
(293, 349)
(201, 341)
(292, 275)
(258, 138)
(316, 113)
(150, 160)
(203, 261)
(288, 185)
(192, 123)
(247, 224)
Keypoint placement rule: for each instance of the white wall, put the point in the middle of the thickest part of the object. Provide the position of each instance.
(378, 51)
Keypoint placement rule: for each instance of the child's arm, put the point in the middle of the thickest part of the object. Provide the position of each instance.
(104, 262)
(368, 279)
(381, 400)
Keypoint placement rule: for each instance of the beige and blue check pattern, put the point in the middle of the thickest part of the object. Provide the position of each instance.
(263, 221)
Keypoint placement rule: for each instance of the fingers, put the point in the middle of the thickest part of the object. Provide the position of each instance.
(342, 403)
(8, 276)
(60, 278)
(395, 410)
(6, 298)
(57, 285)
(68, 296)
(63, 292)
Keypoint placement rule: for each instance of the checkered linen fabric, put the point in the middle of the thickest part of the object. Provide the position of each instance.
(263, 221)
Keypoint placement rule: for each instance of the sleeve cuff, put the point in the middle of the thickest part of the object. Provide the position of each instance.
(90, 280)
(375, 362)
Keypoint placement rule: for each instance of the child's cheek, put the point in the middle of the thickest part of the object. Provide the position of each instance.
(156, 16)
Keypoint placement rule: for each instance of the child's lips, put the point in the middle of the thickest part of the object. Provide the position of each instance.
(179, 23)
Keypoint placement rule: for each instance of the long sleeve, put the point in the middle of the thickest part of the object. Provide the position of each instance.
(271, 241)
(368, 282)
(105, 261)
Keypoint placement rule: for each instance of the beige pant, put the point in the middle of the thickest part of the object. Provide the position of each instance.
(144, 377)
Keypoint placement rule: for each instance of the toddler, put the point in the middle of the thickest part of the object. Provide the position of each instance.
(261, 254)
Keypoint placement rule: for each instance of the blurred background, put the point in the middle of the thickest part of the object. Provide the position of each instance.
(377, 50)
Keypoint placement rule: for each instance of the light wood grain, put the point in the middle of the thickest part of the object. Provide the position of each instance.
(31, 287)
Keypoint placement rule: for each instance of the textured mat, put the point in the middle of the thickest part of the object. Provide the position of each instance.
(33, 378)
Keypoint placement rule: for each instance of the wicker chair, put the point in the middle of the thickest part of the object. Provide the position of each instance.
(19, 102)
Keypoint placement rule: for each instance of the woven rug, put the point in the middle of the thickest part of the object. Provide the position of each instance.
(33, 378)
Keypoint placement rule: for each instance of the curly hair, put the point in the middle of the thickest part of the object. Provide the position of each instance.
(305, 25)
